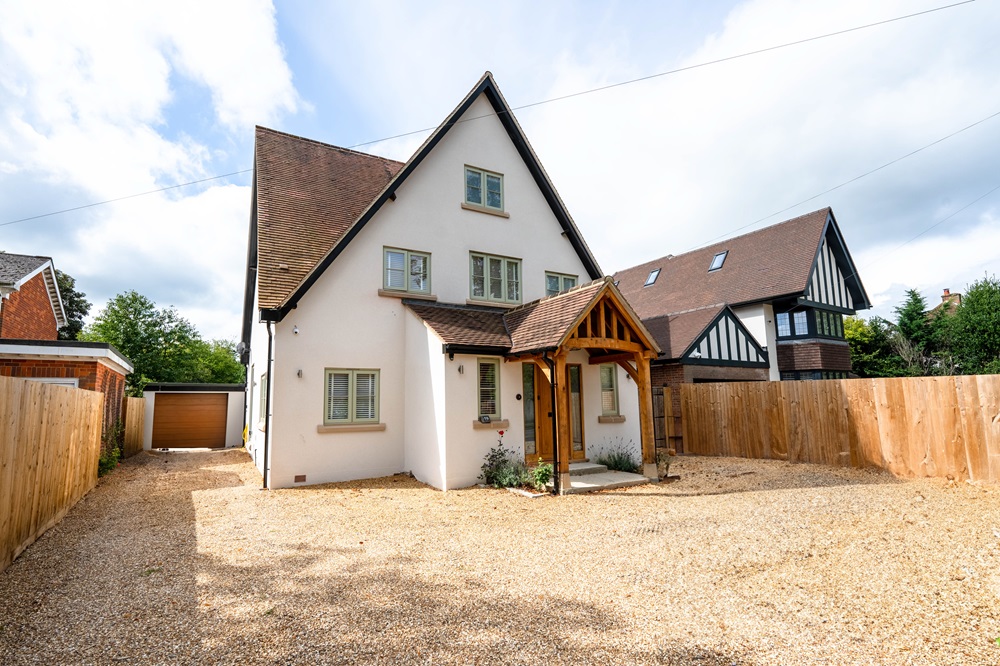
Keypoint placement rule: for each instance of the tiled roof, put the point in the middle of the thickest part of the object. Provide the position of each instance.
(13, 267)
(308, 195)
(675, 332)
(543, 323)
(463, 324)
(761, 265)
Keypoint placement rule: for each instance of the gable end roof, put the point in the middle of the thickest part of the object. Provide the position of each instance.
(487, 87)
(17, 269)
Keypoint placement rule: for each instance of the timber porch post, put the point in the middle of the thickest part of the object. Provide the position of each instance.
(644, 383)
(562, 416)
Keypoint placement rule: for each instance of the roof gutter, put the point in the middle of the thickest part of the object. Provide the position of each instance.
(452, 349)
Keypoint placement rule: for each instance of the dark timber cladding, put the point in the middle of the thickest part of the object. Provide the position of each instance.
(189, 420)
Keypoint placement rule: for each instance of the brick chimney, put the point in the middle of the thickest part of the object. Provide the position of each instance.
(951, 300)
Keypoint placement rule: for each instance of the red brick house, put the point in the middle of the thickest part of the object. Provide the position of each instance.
(31, 312)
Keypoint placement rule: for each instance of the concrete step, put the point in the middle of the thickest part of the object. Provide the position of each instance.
(581, 468)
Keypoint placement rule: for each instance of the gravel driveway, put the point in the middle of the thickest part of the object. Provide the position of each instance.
(179, 558)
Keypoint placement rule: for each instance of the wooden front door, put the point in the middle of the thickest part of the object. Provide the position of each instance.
(537, 414)
(574, 379)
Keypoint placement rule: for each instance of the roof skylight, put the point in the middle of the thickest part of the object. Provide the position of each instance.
(653, 274)
(717, 261)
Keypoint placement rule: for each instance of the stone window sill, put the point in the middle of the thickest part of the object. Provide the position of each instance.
(491, 304)
(406, 294)
(350, 427)
(483, 209)
(501, 424)
(611, 419)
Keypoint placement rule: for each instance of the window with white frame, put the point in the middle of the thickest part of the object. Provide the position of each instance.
(405, 270)
(556, 282)
(494, 278)
(609, 389)
(483, 188)
(351, 396)
(489, 387)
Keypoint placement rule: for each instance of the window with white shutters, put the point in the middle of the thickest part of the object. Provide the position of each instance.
(406, 270)
(351, 396)
(489, 387)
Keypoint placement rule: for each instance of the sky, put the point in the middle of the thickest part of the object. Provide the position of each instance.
(115, 99)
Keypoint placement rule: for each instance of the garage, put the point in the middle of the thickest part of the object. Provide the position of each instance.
(186, 416)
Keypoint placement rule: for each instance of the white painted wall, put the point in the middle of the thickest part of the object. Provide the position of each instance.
(468, 444)
(234, 416)
(601, 437)
(344, 323)
(759, 320)
(425, 413)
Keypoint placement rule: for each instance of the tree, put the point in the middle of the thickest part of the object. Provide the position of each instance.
(977, 328)
(162, 345)
(75, 305)
(872, 352)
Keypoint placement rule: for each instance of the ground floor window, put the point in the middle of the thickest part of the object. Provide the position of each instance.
(609, 389)
(489, 387)
(351, 396)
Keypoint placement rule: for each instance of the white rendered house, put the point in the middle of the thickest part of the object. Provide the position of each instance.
(398, 315)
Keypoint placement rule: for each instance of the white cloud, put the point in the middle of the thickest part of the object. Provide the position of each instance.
(91, 106)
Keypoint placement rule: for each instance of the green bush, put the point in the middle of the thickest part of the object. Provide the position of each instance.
(112, 441)
(503, 468)
(108, 461)
(541, 474)
(619, 459)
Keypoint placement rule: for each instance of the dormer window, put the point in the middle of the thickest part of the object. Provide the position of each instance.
(717, 261)
(483, 188)
(653, 274)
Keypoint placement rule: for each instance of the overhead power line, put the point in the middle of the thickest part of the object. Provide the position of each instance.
(849, 181)
(530, 105)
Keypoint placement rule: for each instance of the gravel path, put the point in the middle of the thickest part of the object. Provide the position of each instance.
(179, 558)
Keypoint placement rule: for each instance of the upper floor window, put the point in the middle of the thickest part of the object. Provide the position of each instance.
(483, 188)
(653, 274)
(717, 261)
(809, 322)
(407, 271)
(556, 282)
(494, 278)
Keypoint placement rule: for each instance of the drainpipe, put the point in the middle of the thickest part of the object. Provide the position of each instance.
(555, 432)
(267, 401)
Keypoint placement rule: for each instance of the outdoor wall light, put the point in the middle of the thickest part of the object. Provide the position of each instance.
(299, 373)
(295, 330)
(461, 369)
(696, 354)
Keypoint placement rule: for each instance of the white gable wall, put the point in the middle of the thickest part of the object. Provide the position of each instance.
(759, 320)
(344, 323)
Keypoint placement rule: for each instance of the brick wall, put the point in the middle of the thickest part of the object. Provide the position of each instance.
(814, 355)
(27, 314)
(90, 375)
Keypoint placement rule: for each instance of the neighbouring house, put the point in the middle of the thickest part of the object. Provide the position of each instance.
(949, 303)
(398, 315)
(31, 312)
(767, 305)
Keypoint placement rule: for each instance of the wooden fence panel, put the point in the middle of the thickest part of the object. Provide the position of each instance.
(50, 440)
(134, 417)
(913, 426)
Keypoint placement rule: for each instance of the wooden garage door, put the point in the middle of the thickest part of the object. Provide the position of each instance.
(189, 420)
